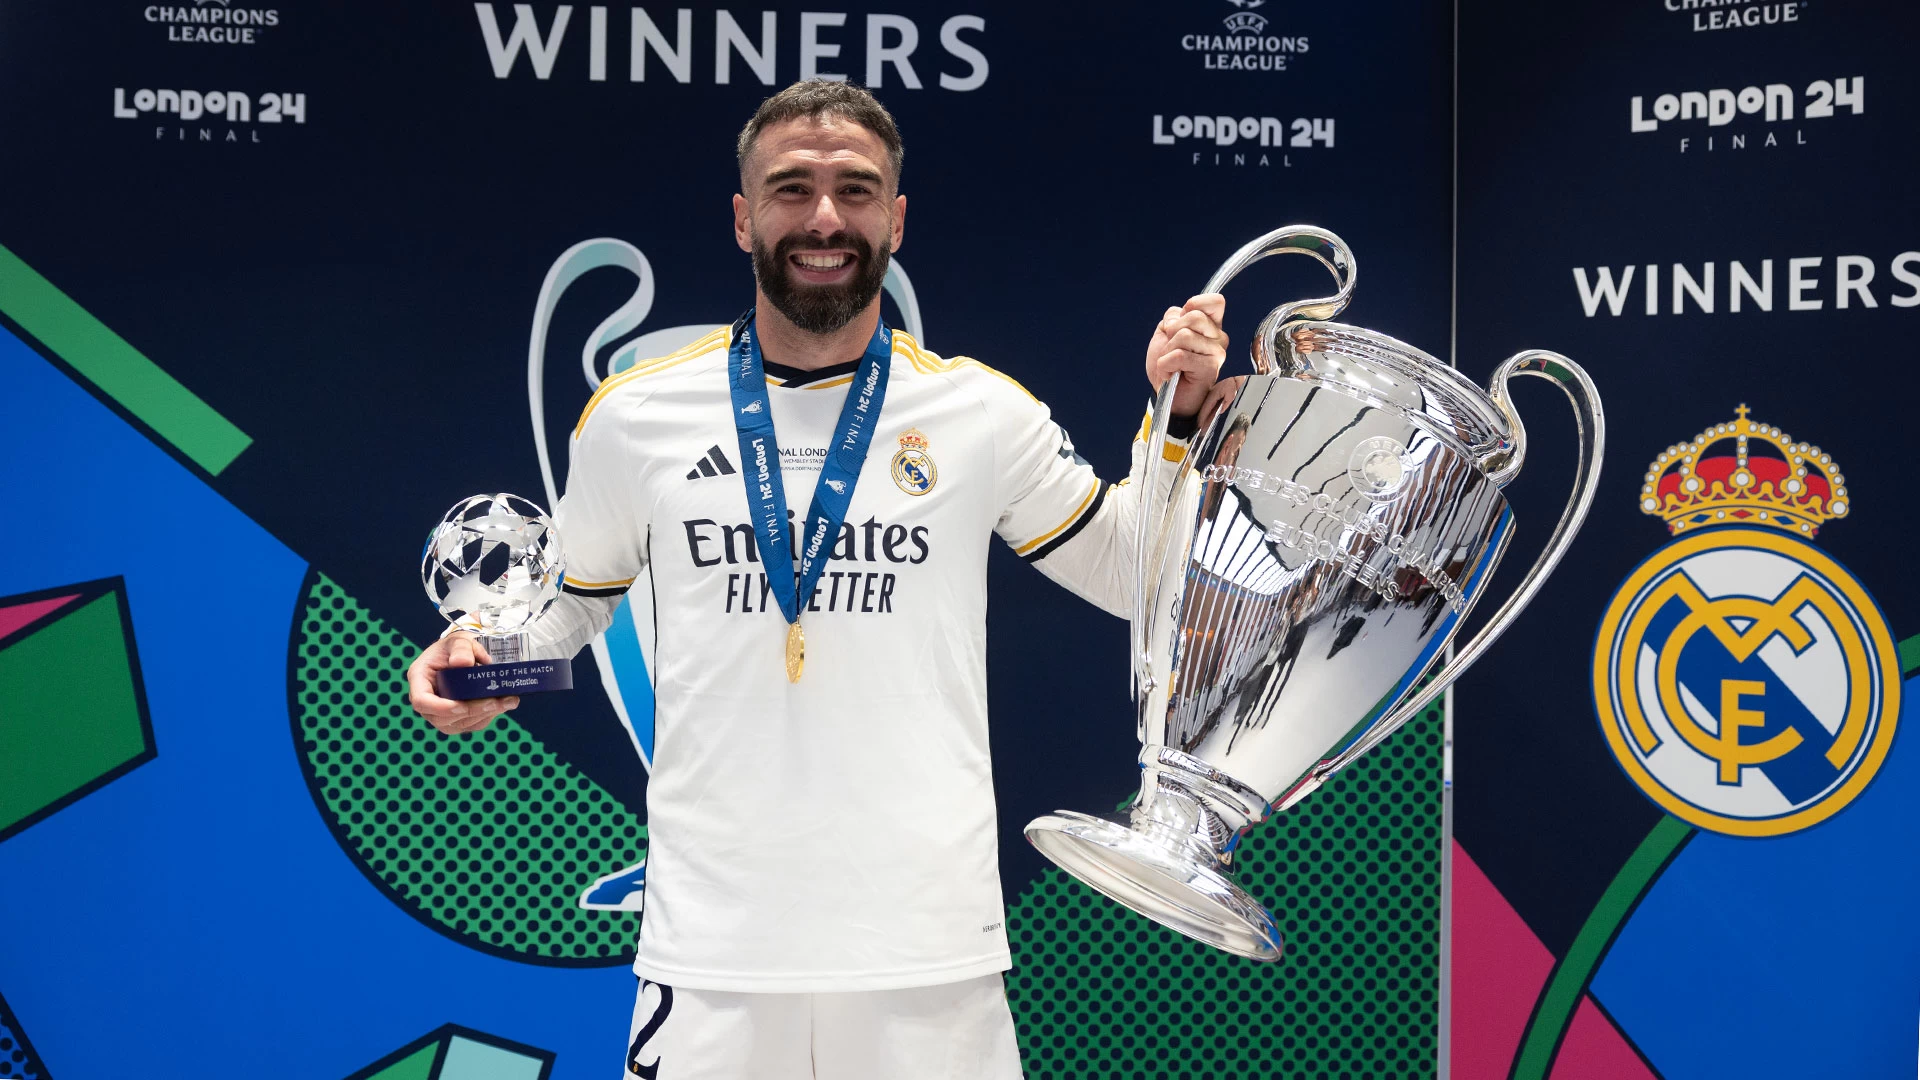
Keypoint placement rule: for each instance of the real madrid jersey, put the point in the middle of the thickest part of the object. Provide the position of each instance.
(837, 833)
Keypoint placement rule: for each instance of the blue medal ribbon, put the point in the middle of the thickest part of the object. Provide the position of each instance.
(760, 457)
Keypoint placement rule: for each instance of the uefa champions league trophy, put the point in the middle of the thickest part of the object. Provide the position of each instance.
(1335, 521)
(494, 566)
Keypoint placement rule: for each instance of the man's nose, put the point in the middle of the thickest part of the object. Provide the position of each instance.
(825, 219)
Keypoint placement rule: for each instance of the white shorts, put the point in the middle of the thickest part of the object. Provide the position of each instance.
(956, 1031)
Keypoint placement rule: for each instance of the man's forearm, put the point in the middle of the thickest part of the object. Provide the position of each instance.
(569, 624)
(1099, 563)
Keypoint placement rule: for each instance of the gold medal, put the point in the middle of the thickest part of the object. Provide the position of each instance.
(796, 651)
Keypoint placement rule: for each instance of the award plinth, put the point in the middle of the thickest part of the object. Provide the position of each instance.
(505, 676)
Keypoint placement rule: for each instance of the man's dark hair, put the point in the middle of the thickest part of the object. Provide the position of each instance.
(824, 97)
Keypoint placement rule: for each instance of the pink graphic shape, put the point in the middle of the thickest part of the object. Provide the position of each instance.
(19, 615)
(1595, 1050)
(1499, 968)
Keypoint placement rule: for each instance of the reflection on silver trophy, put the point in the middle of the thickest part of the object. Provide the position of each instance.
(494, 566)
(1335, 521)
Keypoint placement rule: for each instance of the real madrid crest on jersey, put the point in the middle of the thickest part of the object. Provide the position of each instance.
(1744, 680)
(913, 467)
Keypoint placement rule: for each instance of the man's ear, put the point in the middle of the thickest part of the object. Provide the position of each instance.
(742, 225)
(899, 221)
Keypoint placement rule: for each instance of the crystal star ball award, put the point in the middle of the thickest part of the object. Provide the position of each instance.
(1298, 584)
(493, 566)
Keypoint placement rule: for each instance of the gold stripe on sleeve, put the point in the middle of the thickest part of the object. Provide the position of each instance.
(929, 364)
(600, 584)
(1062, 527)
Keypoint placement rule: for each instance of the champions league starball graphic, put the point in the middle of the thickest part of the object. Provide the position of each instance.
(494, 566)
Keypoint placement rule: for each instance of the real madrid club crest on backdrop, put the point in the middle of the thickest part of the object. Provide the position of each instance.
(1745, 681)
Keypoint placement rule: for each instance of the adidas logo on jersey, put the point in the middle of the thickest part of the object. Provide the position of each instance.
(713, 463)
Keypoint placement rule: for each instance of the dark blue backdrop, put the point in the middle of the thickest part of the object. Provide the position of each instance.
(355, 292)
(352, 286)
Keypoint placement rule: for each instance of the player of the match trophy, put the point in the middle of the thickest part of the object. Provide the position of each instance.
(1335, 520)
(494, 566)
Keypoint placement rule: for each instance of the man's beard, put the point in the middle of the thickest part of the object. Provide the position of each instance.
(820, 309)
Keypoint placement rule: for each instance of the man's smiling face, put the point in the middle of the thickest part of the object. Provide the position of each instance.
(821, 218)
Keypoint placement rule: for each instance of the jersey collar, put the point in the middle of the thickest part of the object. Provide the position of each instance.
(794, 378)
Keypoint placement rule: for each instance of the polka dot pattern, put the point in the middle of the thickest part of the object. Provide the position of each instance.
(488, 835)
(15, 1062)
(1353, 873)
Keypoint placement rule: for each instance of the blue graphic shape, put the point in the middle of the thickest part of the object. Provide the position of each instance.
(470, 1060)
(17, 1059)
(614, 890)
(1801, 774)
(201, 901)
(1788, 957)
(630, 673)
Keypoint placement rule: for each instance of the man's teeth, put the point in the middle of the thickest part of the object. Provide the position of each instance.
(823, 262)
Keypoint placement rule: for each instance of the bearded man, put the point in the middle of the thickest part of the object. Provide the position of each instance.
(823, 897)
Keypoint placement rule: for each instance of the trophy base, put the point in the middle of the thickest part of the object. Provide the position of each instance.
(503, 680)
(1158, 880)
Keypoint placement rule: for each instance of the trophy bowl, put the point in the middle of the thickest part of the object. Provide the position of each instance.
(1333, 523)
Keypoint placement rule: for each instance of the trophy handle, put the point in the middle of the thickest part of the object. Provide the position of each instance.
(1326, 248)
(1331, 252)
(1590, 428)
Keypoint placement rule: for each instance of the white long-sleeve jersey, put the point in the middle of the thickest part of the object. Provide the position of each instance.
(837, 833)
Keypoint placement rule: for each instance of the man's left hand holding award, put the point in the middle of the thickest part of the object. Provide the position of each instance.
(492, 566)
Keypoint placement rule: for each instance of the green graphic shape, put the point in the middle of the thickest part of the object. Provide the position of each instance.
(1353, 874)
(71, 715)
(1909, 652)
(121, 371)
(1568, 983)
(457, 1053)
(488, 837)
(417, 1065)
